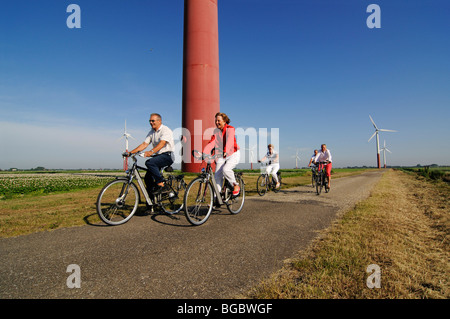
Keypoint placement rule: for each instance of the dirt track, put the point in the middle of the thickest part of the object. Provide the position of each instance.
(164, 257)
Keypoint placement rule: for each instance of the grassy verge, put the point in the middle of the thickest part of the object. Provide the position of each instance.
(403, 228)
(433, 173)
(30, 214)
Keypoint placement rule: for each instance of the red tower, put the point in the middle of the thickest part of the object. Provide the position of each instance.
(201, 96)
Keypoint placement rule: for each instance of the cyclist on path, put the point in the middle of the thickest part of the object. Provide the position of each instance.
(161, 154)
(312, 160)
(223, 142)
(325, 156)
(274, 163)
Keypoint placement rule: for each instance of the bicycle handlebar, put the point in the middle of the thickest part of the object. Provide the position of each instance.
(127, 154)
(203, 156)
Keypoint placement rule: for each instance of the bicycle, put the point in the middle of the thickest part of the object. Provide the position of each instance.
(321, 179)
(266, 182)
(202, 193)
(119, 199)
(313, 174)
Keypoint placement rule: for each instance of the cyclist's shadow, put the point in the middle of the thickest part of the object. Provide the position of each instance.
(179, 219)
(93, 219)
(302, 190)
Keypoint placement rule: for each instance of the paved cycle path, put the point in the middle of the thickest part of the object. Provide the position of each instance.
(159, 256)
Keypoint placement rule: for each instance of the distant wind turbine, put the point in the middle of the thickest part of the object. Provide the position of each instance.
(297, 159)
(251, 155)
(378, 140)
(126, 135)
(384, 149)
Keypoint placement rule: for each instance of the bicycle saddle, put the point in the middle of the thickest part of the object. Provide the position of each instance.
(168, 169)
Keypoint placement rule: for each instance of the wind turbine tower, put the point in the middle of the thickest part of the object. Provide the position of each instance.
(297, 159)
(126, 135)
(201, 85)
(377, 130)
(251, 155)
(384, 149)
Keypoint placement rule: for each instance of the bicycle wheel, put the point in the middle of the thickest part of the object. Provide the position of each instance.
(326, 184)
(235, 203)
(198, 201)
(261, 185)
(172, 202)
(319, 183)
(117, 202)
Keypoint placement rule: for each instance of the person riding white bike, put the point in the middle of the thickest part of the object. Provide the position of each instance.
(274, 163)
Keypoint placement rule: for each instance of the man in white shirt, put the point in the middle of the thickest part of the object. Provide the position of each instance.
(161, 138)
(274, 163)
(325, 156)
(313, 158)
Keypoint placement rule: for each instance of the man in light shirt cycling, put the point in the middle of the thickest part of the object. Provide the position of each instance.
(313, 158)
(161, 155)
(325, 156)
(274, 163)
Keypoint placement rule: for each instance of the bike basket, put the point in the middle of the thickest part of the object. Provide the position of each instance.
(263, 169)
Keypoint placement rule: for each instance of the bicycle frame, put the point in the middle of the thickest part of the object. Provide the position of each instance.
(265, 165)
(135, 174)
(209, 175)
(321, 169)
(119, 199)
(203, 194)
(321, 178)
(266, 181)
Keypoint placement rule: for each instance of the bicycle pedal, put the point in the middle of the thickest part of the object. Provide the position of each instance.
(149, 209)
(172, 195)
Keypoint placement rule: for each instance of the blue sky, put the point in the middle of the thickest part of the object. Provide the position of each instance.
(312, 69)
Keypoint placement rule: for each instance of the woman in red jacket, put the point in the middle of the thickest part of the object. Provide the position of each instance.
(224, 143)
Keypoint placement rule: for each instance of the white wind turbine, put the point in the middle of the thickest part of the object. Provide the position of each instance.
(378, 140)
(126, 135)
(251, 149)
(384, 149)
(297, 159)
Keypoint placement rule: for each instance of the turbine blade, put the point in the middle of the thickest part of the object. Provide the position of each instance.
(384, 130)
(374, 125)
(372, 136)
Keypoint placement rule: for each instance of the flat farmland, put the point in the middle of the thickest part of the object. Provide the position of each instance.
(34, 202)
